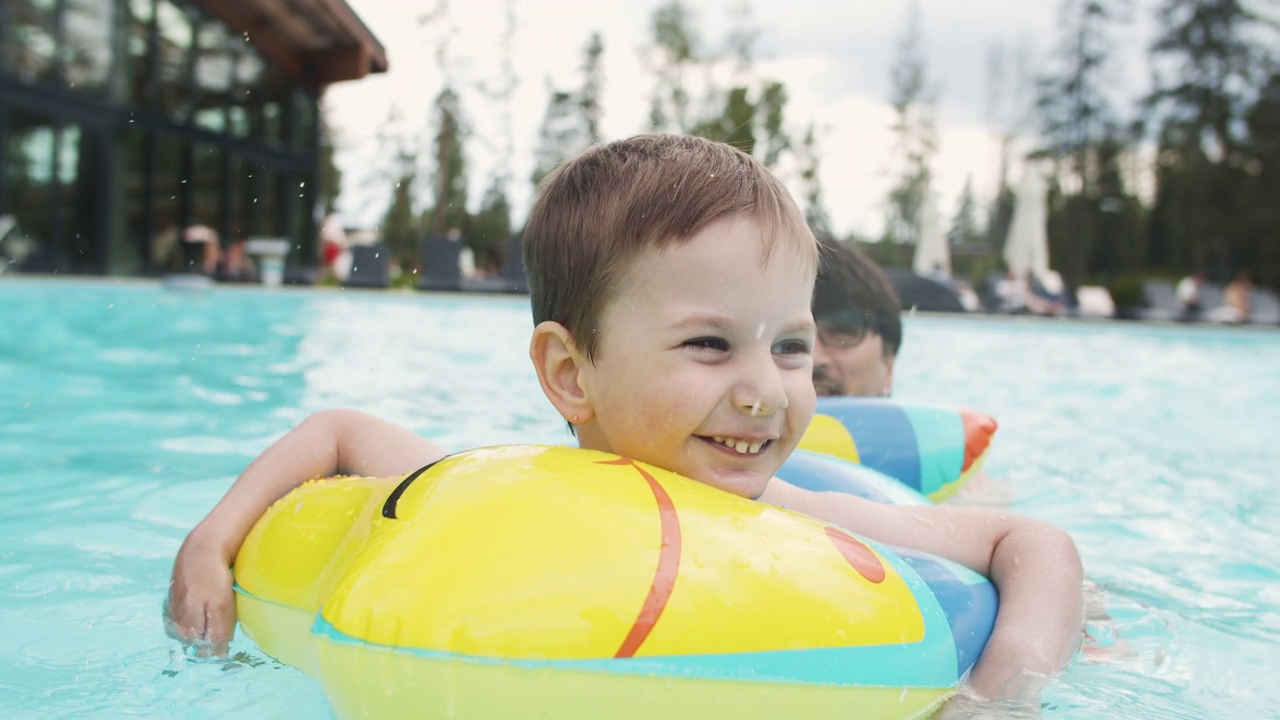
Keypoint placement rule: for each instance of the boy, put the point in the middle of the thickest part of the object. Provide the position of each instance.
(670, 279)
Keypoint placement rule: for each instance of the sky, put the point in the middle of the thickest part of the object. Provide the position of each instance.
(833, 57)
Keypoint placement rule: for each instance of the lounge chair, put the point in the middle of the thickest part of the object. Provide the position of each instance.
(440, 269)
(1264, 307)
(1161, 301)
(369, 267)
(922, 293)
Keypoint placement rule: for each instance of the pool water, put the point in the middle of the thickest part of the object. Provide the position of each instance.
(126, 411)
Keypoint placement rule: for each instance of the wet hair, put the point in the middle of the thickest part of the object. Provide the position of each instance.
(596, 212)
(849, 281)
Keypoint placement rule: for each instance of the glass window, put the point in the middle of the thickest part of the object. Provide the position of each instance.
(78, 170)
(173, 51)
(214, 73)
(261, 198)
(265, 103)
(301, 231)
(249, 70)
(238, 120)
(88, 31)
(29, 177)
(142, 12)
(27, 46)
(130, 193)
(166, 251)
(239, 198)
(206, 186)
(304, 116)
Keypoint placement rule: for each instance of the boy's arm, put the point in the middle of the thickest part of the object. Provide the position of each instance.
(200, 607)
(1034, 566)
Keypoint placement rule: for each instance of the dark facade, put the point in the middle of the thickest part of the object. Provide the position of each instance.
(123, 121)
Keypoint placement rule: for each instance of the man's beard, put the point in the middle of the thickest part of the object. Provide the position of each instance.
(827, 386)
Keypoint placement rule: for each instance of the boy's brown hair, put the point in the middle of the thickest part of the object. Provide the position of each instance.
(599, 210)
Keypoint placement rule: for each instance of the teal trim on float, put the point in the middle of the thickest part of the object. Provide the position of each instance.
(883, 433)
(826, 473)
(896, 665)
(939, 434)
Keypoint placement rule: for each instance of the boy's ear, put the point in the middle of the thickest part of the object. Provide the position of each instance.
(559, 364)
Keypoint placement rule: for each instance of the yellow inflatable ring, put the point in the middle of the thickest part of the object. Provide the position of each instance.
(532, 581)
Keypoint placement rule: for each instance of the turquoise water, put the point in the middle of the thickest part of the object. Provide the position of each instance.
(127, 410)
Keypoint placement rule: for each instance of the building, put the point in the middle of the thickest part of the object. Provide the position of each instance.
(123, 122)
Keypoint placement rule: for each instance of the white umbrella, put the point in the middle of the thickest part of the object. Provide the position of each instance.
(1026, 249)
(932, 254)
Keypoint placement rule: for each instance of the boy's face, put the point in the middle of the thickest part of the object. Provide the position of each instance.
(703, 363)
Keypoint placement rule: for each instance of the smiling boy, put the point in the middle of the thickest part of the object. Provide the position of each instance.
(670, 279)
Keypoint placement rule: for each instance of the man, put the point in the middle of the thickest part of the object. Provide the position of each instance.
(859, 334)
(859, 324)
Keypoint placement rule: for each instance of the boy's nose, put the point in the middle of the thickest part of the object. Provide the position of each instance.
(762, 393)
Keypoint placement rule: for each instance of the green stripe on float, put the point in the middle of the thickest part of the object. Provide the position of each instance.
(940, 439)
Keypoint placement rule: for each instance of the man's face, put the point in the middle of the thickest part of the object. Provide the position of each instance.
(849, 357)
(703, 364)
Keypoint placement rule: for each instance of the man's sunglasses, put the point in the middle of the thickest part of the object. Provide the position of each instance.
(843, 329)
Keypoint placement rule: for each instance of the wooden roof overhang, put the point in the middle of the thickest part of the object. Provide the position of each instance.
(317, 42)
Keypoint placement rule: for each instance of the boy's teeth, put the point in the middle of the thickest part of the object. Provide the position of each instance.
(741, 446)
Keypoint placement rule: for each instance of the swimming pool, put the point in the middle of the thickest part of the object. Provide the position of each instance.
(126, 410)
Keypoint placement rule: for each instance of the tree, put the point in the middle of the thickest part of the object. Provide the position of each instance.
(449, 179)
(915, 133)
(1076, 116)
(1009, 101)
(490, 227)
(592, 87)
(400, 224)
(571, 122)
(395, 176)
(330, 179)
(1209, 60)
(747, 111)
(964, 226)
(815, 211)
(1260, 241)
(676, 44)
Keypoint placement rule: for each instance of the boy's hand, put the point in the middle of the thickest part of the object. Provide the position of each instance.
(200, 609)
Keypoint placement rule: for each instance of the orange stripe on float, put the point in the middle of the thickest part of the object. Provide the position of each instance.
(664, 577)
(857, 554)
(978, 429)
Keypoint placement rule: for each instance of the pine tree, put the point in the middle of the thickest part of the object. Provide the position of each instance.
(964, 226)
(815, 211)
(571, 122)
(915, 133)
(1209, 58)
(1076, 117)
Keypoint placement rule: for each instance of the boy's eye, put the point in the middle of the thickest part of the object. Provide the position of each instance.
(792, 347)
(708, 343)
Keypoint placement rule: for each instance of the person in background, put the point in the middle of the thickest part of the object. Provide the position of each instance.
(859, 324)
(201, 248)
(859, 319)
(236, 265)
(1188, 293)
(1236, 296)
(333, 241)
